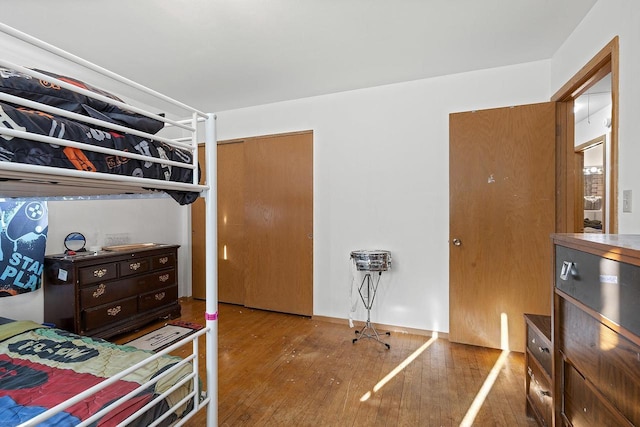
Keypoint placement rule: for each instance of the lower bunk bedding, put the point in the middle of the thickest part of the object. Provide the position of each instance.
(41, 367)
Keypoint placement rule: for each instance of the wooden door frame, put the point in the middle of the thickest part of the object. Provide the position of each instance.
(604, 62)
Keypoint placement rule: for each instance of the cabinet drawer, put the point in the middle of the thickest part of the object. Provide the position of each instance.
(582, 407)
(134, 266)
(109, 313)
(104, 292)
(540, 348)
(155, 280)
(163, 261)
(158, 298)
(97, 273)
(610, 361)
(609, 287)
(539, 393)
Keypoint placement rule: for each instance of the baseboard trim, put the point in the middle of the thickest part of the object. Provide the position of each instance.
(382, 327)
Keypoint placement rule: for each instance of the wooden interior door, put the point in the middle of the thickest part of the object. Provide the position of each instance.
(502, 212)
(579, 192)
(279, 222)
(231, 236)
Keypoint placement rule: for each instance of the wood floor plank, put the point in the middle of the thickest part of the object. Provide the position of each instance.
(279, 370)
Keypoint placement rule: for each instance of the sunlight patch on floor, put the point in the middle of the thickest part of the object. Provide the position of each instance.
(399, 368)
(477, 403)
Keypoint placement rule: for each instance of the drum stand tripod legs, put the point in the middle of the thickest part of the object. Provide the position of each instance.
(367, 290)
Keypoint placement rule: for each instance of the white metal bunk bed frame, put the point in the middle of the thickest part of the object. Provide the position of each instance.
(45, 182)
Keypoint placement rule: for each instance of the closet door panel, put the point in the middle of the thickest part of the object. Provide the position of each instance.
(231, 226)
(279, 223)
(231, 236)
(198, 257)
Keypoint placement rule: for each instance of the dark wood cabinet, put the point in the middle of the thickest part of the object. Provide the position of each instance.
(596, 330)
(538, 362)
(111, 292)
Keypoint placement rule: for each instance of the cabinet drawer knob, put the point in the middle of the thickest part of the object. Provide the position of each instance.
(543, 349)
(99, 272)
(545, 393)
(134, 266)
(164, 277)
(160, 296)
(164, 260)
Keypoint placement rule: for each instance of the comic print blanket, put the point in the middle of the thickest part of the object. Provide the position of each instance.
(22, 150)
(41, 367)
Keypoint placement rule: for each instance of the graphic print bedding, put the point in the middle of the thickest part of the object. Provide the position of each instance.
(41, 367)
(24, 150)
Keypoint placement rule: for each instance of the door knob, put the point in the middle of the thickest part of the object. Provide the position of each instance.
(457, 242)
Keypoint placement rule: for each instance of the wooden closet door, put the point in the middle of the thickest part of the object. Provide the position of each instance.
(279, 222)
(231, 243)
(198, 250)
(231, 227)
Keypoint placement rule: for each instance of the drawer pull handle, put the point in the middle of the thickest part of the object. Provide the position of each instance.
(543, 349)
(114, 311)
(164, 260)
(160, 296)
(100, 291)
(545, 393)
(568, 268)
(134, 266)
(100, 272)
(164, 277)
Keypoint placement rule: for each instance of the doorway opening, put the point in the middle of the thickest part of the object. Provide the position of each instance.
(598, 77)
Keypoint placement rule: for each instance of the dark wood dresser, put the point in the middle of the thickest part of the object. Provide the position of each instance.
(111, 292)
(596, 330)
(538, 361)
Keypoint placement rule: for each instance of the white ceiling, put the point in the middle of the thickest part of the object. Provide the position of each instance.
(224, 54)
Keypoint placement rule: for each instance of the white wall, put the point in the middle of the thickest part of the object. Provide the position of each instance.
(607, 19)
(381, 181)
(140, 220)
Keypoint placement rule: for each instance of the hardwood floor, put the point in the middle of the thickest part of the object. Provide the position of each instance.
(285, 370)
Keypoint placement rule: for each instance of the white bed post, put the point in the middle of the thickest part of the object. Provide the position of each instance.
(211, 242)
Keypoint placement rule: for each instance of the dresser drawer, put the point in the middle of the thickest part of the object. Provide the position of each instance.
(609, 287)
(163, 261)
(158, 298)
(155, 280)
(97, 273)
(109, 313)
(540, 348)
(539, 394)
(134, 266)
(610, 361)
(105, 292)
(581, 407)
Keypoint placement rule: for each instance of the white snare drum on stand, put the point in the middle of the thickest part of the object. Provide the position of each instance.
(370, 261)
